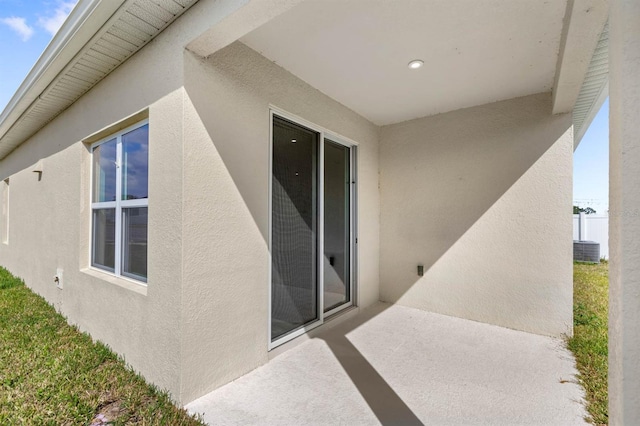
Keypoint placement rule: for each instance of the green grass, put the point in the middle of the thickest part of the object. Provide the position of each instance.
(51, 374)
(589, 342)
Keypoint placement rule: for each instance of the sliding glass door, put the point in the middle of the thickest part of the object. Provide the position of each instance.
(294, 227)
(311, 228)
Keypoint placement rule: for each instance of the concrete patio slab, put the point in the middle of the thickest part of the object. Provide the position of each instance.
(397, 365)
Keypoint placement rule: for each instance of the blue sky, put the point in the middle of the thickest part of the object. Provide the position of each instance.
(591, 165)
(26, 27)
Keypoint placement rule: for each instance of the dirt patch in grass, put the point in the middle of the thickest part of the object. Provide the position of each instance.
(50, 373)
(590, 339)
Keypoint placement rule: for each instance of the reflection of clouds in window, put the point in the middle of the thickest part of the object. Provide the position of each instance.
(135, 151)
(120, 172)
(105, 172)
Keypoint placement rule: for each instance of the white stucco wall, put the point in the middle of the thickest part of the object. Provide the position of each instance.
(226, 260)
(203, 318)
(461, 193)
(624, 214)
(49, 224)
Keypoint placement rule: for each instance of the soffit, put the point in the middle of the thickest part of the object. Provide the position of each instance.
(594, 90)
(131, 27)
(475, 52)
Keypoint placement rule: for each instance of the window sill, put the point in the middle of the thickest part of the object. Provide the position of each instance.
(123, 282)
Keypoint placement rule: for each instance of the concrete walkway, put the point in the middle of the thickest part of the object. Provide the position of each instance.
(394, 365)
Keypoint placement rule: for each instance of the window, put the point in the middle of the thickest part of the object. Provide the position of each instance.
(120, 202)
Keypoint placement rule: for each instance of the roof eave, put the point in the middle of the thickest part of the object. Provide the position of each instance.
(594, 90)
(583, 24)
(83, 22)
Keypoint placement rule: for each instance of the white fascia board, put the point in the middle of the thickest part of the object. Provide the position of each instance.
(86, 18)
(583, 24)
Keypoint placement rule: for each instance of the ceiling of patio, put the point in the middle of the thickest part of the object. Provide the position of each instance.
(474, 52)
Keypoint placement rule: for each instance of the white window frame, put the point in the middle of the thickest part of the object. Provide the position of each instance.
(118, 204)
(323, 133)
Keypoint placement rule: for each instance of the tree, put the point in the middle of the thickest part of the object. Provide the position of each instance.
(587, 210)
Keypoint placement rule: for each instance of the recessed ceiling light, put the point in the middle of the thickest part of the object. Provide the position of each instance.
(415, 64)
(293, 141)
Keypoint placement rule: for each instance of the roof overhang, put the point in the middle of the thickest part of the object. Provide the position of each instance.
(529, 47)
(582, 72)
(97, 37)
(584, 21)
(75, 32)
(595, 89)
(474, 53)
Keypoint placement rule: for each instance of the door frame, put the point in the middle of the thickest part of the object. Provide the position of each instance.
(353, 228)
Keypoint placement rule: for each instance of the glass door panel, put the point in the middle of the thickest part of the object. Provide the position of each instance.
(294, 234)
(337, 225)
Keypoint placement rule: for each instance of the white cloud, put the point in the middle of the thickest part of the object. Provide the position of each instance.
(54, 21)
(19, 25)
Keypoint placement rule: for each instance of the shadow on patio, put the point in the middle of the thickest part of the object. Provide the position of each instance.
(397, 365)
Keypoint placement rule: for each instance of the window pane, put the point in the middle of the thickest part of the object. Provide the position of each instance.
(135, 160)
(294, 243)
(134, 254)
(337, 236)
(104, 172)
(104, 238)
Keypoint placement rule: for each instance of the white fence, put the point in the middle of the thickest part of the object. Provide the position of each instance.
(591, 227)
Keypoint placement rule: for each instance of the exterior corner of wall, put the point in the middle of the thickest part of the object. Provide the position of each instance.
(226, 170)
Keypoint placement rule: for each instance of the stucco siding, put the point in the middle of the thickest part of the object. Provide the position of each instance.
(481, 197)
(49, 224)
(624, 214)
(49, 228)
(458, 192)
(226, 229)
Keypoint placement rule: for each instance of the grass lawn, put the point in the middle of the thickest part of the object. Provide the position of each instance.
(589, 342)
(51, 374)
